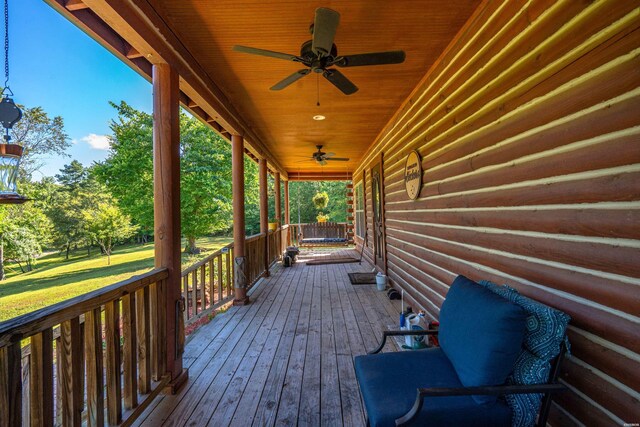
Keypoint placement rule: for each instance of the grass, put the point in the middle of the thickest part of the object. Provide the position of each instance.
(55, 279)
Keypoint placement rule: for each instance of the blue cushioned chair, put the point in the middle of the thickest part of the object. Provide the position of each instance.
(499, 354)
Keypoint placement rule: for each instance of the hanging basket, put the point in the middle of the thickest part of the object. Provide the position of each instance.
(10, 155)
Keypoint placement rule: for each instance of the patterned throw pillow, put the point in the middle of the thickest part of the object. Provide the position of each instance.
(528, 369)
(506, 292)
(546, 328)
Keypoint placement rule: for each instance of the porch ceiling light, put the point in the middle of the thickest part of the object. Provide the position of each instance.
(10, 114)
(319, 117)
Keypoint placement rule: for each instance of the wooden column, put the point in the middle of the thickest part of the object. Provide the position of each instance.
(287, 217)
(264, 210)
(278, 199)
(166, 204)
(237, 182)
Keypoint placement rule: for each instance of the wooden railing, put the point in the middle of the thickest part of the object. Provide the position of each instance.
(58, 378)
(208, 284)
(254, 254)
(60, 365)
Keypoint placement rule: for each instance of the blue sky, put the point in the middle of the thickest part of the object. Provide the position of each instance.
(55, 65)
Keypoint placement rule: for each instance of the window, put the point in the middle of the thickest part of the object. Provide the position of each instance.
(360, 219)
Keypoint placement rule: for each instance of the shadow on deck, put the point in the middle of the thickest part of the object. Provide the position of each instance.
(285, 359)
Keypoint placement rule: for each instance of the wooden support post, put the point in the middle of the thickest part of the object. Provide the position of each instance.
(264, 211)
(237, 182)
(166, 203)
(287, 216)
(278, 199)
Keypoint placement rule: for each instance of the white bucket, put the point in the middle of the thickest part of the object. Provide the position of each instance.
(381, 281)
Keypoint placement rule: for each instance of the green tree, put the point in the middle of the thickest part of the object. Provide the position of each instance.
(128, 171)
(24, 230)
(205, 173)
(22, 246)
(106, 225)
(73, 176)
(39, 136)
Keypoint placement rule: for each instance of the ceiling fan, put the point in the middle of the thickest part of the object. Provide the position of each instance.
(322, 158)
(320, 53)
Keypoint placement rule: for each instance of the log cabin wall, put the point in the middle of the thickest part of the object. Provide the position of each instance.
(529, 130)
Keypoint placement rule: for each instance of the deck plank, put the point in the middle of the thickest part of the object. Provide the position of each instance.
(264, 343)
(292, 388)
(285, 359)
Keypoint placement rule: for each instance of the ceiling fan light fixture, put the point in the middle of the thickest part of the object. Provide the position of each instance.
(319, 117)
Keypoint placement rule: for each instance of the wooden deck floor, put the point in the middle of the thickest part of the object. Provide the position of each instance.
(286, 359)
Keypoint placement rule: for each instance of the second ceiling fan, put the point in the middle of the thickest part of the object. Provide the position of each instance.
(320, 53)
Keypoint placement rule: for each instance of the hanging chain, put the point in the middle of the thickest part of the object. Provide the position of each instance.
(6, 45)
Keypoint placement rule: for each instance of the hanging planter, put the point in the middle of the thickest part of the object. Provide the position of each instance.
(321, 200)
(10, 114)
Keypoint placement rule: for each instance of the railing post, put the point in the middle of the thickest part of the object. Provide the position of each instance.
(239, 261)
(264, 211)
(166, 192)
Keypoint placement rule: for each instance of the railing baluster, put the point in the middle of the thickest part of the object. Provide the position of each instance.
(142, 319)
(41, 379)
(185, 295)
(228, 268)
(220, 283)
(194, 292)
(71, 370)
(114, 391)
(94, 367)
(212, 289)
(11, 385)
(154, 339)
(203, 287)
(129, 351)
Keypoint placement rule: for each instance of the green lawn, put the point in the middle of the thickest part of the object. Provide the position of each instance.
(54, 279)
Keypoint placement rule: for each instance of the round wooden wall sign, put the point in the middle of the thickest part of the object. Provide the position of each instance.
(413, 175)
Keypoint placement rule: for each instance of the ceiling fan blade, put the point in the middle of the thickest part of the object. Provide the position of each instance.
(340, 81)
(340, 159)
(375, 58)
(263, 52)
(324, 30)
(292, 78)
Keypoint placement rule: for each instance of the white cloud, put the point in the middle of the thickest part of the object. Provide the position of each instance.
(98, 142)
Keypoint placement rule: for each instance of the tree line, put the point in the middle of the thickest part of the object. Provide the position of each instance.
(111, 202)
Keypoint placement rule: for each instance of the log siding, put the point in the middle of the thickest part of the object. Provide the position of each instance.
(528, 127)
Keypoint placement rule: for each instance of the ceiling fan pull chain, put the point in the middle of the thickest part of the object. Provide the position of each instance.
(318, 89)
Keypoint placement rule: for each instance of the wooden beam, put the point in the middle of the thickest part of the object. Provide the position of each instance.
(264, 209)
(320, 176)
(166, 192)
(239, 239)
(132, 53)
(73, 5)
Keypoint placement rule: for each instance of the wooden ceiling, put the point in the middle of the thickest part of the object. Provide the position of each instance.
(230, 90)
(283, 119)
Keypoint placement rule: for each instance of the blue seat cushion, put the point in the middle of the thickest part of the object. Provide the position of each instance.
(481, 333)
(388, 383)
